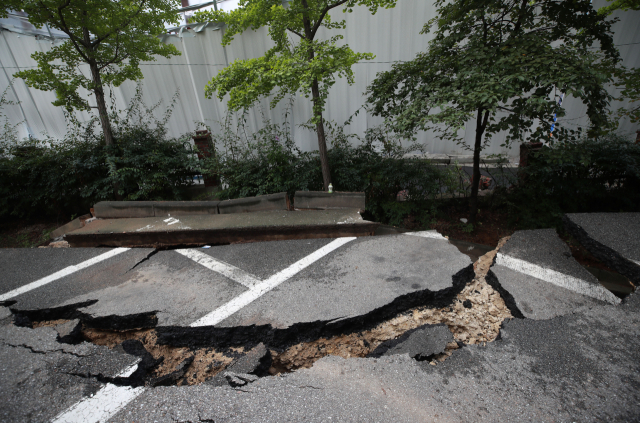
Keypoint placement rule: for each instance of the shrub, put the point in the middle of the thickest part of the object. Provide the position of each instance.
(268, 161)
(68, 176)
(586, 175)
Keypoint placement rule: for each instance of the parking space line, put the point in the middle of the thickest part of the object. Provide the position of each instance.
(427, 234)
(221, 267)
(111, 398)
(556, 278)
(267, 285)
(61, 274)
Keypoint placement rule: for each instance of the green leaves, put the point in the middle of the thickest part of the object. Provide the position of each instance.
(296, 60)
(510, 58)
(112, 36)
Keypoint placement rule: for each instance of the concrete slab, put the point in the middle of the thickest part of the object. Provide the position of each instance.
(359, 277)
(613, 238)
(221, 229)
(578, 367)
(541, 278)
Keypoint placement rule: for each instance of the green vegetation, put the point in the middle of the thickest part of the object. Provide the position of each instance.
(268, 161)
(581, 176)
(306, 65)
(65, 177)
(502, 63)
(111, 37)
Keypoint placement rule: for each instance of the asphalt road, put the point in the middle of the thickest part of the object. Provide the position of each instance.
(574, 357)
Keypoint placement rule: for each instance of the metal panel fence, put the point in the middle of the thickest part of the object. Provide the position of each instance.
(392, 35)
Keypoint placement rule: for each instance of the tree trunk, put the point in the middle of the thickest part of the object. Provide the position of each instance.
(102, 105)
(481, 123)
(322, 144)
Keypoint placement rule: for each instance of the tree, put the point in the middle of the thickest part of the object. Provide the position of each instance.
(302, 64)
(628, 79)
(621, 5)
(503, 63)
(111, 37)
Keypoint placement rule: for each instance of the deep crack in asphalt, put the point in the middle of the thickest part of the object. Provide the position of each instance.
(472, 309)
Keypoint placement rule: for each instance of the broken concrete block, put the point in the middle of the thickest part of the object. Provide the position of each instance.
(184, 208)
(70, 332)
(279, 201)
(320, 200)
(76, 223)
(536, 274)
(420, 343)
(4, 313)
(123, 209)
(173, 377)
(256, 362)
(613, 238)
(239, 379)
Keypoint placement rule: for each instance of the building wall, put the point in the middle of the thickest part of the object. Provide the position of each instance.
(392, 35)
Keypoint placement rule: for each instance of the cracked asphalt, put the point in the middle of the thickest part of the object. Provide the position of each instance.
(572, 358)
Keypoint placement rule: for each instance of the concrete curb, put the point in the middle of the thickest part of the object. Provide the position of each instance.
(279, 201)
(320, 200)
(76, 223)
(132, 209)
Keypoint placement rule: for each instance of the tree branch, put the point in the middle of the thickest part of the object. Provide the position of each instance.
(295, 32)
(323, 14)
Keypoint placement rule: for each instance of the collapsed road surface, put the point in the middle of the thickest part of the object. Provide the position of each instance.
(311, 330)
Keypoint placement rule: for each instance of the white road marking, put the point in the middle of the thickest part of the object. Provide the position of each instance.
(61, 273)
(111, 398)
(560, 279)
(171, 221)
(427, 234)
(101, 406)
(221, 267)
(635, 261)
(262, 288)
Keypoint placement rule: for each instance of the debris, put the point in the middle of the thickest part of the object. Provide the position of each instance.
(239, 379)
(463, 220)
(206, 246)
(56, 244)
(421, 343)
(70, 332)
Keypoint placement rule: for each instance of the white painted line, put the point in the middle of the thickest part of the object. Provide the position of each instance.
(61, 274)
(427, 234)
(262, 288)
(101, 406)
(221, 267)
(634, 261)
(559, 279)
(111, 399)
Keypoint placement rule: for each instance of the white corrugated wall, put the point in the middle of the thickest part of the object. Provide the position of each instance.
(392, 35)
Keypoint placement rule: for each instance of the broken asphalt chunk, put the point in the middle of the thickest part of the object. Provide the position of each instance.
(70, 332)
(420, 343)
(541, 280)
(613, 238)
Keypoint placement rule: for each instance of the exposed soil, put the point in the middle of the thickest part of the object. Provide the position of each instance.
(478, 322)
(490, 228)
(22, 233)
